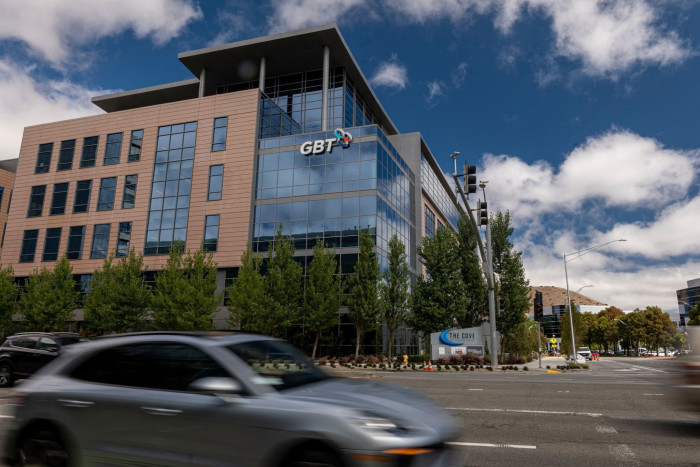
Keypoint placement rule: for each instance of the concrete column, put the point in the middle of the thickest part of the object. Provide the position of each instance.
(202, 78)
(261, 81)
(324, 98)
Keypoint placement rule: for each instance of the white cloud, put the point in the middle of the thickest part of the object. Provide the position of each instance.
(390, 74)
(619, 168)
(422, 11)
(289, 15)
(27, 101)
(459, 75)
(52, 29)
(610, 37)
(435, 90)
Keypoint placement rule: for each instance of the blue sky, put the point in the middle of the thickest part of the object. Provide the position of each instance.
(581, 114)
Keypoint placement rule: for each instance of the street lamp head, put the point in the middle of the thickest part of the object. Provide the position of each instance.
(455, 154)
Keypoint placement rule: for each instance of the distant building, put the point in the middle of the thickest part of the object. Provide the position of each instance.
(552, 315)
(8, 168)
(687, 299)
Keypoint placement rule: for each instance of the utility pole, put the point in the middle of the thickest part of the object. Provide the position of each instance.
(486, 264)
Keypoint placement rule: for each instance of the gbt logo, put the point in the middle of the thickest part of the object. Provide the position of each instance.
(342, 139)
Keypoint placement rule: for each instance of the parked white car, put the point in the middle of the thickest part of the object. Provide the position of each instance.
(585, 352)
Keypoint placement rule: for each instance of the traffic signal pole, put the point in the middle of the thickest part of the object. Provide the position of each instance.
(486, 266)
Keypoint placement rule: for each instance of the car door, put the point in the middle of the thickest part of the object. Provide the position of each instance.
(47, 350)
(25, 356)
(130, 405)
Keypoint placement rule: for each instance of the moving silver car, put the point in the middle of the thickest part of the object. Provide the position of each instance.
(215, 399)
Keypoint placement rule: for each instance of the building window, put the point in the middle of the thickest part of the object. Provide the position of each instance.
(2, 191)
(123, 239)
(58, 200)
(76, 234)
(216, 181)
(440, 225)
(129, 197)
(43, 159)
(211, 233)
(65, 155)
(82, 196)
(28, 246)
(170, 191)
(113, 148)
(429, 222)
(89, 151)
(4, 228)
(51, 242)
(100, 241)
(36, 201)
(135, 146)
(105, 201)
(219, 139)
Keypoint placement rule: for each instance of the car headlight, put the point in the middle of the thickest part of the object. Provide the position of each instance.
(377, 425)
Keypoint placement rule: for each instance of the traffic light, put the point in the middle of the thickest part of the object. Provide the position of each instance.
(501, 305)
(483, 214)
(538, 306)
(470, 173)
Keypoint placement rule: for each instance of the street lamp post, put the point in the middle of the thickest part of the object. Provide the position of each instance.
(568, 295)
(539, 342)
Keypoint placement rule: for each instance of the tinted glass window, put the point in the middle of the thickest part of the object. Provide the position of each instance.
(280, 364)
(26, 342)
(113, 148)
(87, 159)
(36, 201)
(58, 201)
(135, 146)
(46, 343)
(166, 366)
(108, 186)
(43, 158)
(65, 156)
(82, 196)
(75, 242)
(51, 244)
(69, 340)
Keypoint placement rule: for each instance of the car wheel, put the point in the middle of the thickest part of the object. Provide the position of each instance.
(314, 458)
(7, 379)
(42, 448)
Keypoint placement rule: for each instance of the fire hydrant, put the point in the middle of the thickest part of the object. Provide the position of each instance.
(405, 359)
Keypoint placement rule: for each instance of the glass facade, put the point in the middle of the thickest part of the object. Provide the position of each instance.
(219, 137)
(170, 191)
(36, 201)
(129, 197)
(28, 246)
(687, 300)
(100, 241)
(105, 200)
(211, 233)
(366, 185)
(76, 235)
(82, 196)
(429, 222)
(87, 159)
(216, 182)
(437, 192)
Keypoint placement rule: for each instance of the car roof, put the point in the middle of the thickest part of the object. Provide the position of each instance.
(206, 338)
(41, 333)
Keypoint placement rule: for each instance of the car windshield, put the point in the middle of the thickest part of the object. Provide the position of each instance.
(68, 340)
(278, 364)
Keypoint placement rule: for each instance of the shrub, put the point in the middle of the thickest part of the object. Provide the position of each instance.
(323, 361)
(447, 367)
(344, 360)
(471, 368)
(548, 365)
(525, 368)
(372, 359)
(490, 368)
(513, 360)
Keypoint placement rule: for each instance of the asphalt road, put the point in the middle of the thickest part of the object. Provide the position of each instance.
(621, 412)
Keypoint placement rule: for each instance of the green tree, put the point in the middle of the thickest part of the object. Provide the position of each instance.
(589, 320)
(323, 293)
(247, 301)
(524, 339)
(393, 290)
(565, 327)
(8, 295)
(508, 267)
(185, 297)
(363, 300)
(284, 286)
(473, 278)
(694, 316)
(439, 297)
(48, 301)
(118, 298)
(658, 327)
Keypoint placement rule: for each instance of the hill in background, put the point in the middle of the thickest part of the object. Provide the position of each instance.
(557, 296)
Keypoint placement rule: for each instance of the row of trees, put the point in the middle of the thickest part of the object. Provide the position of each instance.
(611, 327)
(274, 295)
(183, 296)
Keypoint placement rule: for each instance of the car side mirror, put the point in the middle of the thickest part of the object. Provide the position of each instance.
(53, 348)
(215, 385)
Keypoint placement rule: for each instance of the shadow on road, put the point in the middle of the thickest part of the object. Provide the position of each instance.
(679, 428)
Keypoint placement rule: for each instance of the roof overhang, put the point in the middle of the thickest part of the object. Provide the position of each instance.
(153, 95)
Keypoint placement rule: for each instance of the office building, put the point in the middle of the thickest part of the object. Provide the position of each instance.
(283, 129)
(7, 182)
(688, 298)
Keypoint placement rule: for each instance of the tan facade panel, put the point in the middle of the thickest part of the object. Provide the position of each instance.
(234, 208)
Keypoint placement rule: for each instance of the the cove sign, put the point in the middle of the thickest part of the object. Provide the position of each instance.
(342, 139)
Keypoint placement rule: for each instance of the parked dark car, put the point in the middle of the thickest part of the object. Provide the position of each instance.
(21, 355)
(216, 399)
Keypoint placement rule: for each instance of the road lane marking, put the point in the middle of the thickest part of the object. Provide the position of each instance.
(476, 389)
(605, 429)
(646, 394)
(543, 412)
(7, 416)
(491, 445)
(647, 368)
